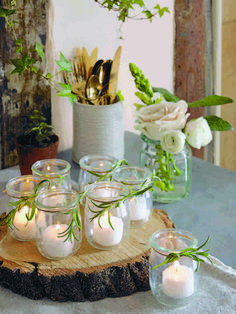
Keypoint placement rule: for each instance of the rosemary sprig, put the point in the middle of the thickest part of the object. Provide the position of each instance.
(28, 201)
(107, 206)
(194, 254)
(69, 233)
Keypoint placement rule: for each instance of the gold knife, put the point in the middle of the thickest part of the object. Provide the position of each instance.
(113, 81)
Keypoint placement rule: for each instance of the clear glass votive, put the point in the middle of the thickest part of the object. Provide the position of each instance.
(17, 189)
(98, 231)
(55, 210)
(99, 164)
(57, 171)
(140, 206)
(172, 284)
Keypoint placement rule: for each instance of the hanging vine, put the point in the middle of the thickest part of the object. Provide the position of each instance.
(125, 8)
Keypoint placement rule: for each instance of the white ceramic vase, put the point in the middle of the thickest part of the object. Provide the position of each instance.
(97, 130)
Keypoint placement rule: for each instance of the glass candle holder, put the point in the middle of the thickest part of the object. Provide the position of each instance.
(17, 189)
(54, 216)
(100, 164)
(98, 231)
(57, 171)
(140, 206)
(172, 284)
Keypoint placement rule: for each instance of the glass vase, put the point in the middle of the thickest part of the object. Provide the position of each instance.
(140, 206)
(172, 284)
(173, 169)
(57, 171)
(99, 164)
(55, 211)
(17, 189)
(111, 228)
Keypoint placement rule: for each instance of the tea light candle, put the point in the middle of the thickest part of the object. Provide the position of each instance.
(138, 208)
(106, 236)
(178, 281)
(24, 229)
(55, 246)
(26, 186)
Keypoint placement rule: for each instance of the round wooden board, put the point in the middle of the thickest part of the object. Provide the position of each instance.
(91, 274)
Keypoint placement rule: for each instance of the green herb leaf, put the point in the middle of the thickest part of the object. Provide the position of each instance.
(218, 124)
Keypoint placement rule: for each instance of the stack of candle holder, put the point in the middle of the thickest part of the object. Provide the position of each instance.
(140, 206)
(17, 189)
(111, 228)
(98, 164)
(172, 284)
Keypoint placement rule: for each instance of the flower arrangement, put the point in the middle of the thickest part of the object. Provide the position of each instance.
(160, 119)
(163, 121)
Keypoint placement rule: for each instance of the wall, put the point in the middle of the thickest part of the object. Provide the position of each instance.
(149, 45)
(228, 112)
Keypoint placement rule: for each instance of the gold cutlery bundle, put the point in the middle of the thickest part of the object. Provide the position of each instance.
(94, 81)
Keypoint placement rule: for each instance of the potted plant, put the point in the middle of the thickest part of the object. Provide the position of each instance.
(37, 142)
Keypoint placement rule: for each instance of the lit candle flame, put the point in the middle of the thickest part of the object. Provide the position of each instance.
(48, 168)
(57, 226)
(101, 164)
(176, 265)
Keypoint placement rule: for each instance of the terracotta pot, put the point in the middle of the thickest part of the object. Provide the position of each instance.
(28, 155)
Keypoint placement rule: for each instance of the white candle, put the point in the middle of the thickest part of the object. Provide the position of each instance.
(138, 208)
(26, 231)
(107, 236)
(178, 281)
(54, 246)
(26, 186)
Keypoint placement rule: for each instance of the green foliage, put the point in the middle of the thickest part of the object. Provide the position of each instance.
(218, 124)
(38, 130)
(22, 64)
(213, 100)
(194, 254)
(39, 49)
(125, 8)
(6, 12)
(63, 64)
(26, 57)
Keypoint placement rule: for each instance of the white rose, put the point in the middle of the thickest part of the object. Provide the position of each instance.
(198, 133)
(173, 141)
(157, 118)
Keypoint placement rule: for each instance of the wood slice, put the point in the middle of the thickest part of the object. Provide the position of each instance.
(91, 274)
